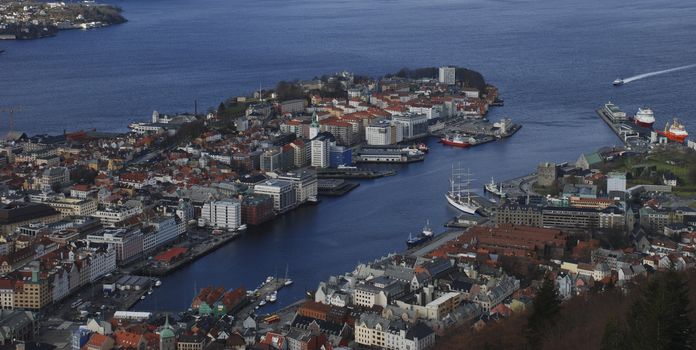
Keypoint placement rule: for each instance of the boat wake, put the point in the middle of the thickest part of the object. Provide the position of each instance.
(651, 74)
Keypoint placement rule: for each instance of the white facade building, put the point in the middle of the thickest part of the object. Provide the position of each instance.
(447, 75)
(305, 183)
(616, 182)
(223, 214)
(321, 149)
(379, 134)
(282, 192)
(111, 215)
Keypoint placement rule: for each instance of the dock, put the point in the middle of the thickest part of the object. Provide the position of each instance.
(353, 173)
(335, 187)
(195, 252)
(632, 136)
(251, 308)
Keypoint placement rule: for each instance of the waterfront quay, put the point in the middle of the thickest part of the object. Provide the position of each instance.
(480, 130)
(634, 137)
(185, 252)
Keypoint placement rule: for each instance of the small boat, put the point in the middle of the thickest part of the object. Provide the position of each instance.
(256, 307)
(618, 82)
(274, 297)
(158, 283)
(142, 297)
(269, 279)
(149, 292)
(288, 281)
(494, 188)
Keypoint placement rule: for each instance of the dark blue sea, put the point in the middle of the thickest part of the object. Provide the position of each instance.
(553, 60)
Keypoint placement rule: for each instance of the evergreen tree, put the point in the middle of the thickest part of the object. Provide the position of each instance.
(613, 337)
(659, 318)
(221, 109)
(546, 307)
(680, 330)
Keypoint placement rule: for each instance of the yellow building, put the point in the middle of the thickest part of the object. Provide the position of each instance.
(74, 206)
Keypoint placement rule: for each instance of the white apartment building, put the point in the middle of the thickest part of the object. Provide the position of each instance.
(305, 183)
(282, 192)
(447, 75)
(320, 148)
(111, 215)
(223, 214)
(102, 261)
(379, 134)
(376, 331)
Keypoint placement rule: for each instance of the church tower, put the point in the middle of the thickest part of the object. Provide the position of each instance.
(314, 127)
(167, 337)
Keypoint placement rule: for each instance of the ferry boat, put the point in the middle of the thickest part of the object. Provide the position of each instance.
(618, 82)
(459, 195)
(424, 236)
(495, 188)
(346, 167)
(614, 112)
(644, 117)
(456, 140)
(675, 132)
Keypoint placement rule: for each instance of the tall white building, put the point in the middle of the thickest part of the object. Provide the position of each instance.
(379, 134)
(321, 149)
(412, 125)
(447, 75)
(224, 214)
(616, 182)
(282, 192)
(305, 183)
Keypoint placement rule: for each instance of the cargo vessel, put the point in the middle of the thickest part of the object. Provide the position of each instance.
(456, 140)
(675, 132)
(424, 236)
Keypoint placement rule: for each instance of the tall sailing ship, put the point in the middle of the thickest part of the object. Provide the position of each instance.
(459, 195)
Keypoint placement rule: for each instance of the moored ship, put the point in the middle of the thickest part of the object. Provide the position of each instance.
(424, 236)
(459, 195)
(496, 189)
(675, 132)
(644, 117)
(456, 140)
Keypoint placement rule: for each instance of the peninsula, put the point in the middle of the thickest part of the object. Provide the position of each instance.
(29, 19)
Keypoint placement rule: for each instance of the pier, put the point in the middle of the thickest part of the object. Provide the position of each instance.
(632, 136)
(195, 252)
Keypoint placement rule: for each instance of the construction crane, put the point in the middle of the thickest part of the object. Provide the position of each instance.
(10, 116)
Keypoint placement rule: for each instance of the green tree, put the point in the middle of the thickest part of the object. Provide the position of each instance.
(659, 318)
(221, 109)
(546, 307)
(614, 337)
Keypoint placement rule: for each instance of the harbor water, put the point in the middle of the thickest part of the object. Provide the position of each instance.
(553, 61)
